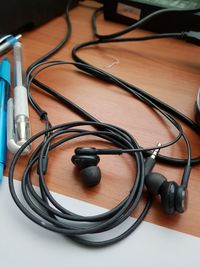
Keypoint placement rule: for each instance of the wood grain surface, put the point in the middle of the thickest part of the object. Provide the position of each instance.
(168, 69)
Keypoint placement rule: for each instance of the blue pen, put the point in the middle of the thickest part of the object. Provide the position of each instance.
(4, 95)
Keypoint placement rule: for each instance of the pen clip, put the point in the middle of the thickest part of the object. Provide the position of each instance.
(7, 42)
(4, 38)
(12, 142)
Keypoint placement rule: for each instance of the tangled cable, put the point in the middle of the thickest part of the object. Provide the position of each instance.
(75, 225)
(41, 207)
(50, 211)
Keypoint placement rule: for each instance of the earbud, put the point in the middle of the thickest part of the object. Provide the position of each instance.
(168, 196)
(90, 173)
(181, 199)
(173, 196)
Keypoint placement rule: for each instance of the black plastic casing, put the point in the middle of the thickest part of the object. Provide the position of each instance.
(18, 16)
(170, 22)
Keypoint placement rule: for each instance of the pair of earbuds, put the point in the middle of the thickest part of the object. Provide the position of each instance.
(173, 196)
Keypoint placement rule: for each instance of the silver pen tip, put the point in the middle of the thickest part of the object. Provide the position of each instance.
(18, 36)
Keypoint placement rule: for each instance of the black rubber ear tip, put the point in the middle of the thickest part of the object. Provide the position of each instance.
(168, 194)
(91, 176)
(181, 199)
(154, 181)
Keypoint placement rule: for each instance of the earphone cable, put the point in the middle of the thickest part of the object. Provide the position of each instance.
(43, 204)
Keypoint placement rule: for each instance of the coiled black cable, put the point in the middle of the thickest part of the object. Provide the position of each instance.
(42, 208)
(75, 225)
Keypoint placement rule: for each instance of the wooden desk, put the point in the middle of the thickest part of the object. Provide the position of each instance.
(168, 69)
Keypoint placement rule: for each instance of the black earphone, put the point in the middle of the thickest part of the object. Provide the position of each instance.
(173, 196)
(90, 173)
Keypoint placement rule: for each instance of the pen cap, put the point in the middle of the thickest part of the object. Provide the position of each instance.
(18, 65)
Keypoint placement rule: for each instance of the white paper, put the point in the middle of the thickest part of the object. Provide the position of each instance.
(25, 244)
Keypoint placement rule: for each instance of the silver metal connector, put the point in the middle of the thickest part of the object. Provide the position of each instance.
(156, 151)
(22, 129)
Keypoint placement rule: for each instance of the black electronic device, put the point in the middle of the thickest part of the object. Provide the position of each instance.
(129, 11)
(22, 15)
